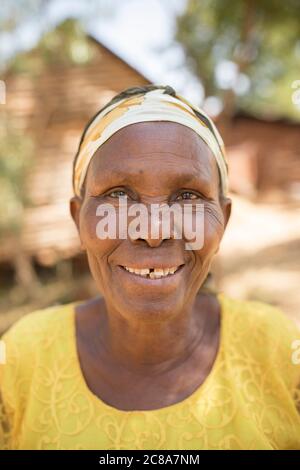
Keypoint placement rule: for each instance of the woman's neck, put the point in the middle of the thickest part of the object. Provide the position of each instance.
(155, 348)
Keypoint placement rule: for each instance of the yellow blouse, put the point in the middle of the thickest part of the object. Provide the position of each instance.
(248, 401)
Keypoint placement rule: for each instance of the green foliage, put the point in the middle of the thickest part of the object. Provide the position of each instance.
(67, 44)
(16, 153)
(14, 12)
(262, 38)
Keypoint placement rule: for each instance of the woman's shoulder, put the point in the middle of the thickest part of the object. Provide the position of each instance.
(36, 338)
(38, 324)
(30, 347)
(258, 316)
(264, 334)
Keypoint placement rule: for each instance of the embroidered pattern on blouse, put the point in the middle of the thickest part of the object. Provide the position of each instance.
(248, 401)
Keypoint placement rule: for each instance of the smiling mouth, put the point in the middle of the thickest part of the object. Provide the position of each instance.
(153, 273)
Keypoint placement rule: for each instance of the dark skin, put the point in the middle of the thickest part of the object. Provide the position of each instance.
(147, 345)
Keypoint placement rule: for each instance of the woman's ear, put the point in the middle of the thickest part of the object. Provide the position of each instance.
(226, 204)
(75, 206)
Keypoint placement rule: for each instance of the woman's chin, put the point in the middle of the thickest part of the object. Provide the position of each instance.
(146, 297)
(148, 306)
(151, 311)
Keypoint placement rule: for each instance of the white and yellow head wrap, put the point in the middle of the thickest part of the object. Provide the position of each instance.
(153, 105)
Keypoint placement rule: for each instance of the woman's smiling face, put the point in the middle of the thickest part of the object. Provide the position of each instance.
(151, 163)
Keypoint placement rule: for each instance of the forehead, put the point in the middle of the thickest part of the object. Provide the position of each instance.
(154, 146)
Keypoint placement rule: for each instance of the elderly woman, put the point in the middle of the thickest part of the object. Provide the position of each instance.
(156, 361)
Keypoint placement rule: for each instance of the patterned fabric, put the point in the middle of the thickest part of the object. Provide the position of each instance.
(248, 401)
(155, 105)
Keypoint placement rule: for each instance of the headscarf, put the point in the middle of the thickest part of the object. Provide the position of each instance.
(153, 105)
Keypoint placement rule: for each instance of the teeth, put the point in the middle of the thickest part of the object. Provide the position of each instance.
(157, 273)
(145, 271)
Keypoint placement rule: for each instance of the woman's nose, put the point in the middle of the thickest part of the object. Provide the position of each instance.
(152, 242)
(154, 231)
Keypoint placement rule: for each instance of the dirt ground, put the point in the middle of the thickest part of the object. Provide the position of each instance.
(260, 254)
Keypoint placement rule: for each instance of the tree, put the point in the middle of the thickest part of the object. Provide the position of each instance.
(260, 40)
(16, 154)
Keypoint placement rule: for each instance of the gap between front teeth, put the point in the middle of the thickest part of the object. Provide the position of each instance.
(155, 274)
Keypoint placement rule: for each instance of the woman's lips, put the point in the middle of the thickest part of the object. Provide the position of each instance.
(152, 273)
(152, 278)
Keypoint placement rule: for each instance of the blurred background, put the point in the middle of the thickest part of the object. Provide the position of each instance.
(60, 61)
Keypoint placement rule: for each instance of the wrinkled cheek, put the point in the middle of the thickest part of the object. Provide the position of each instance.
(97, 252)
(97, 248)
(212, 236)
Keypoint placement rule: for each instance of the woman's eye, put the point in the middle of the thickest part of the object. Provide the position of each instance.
(187, 195)
(117, 193)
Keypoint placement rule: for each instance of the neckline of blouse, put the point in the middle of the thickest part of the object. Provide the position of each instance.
(196, 394)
